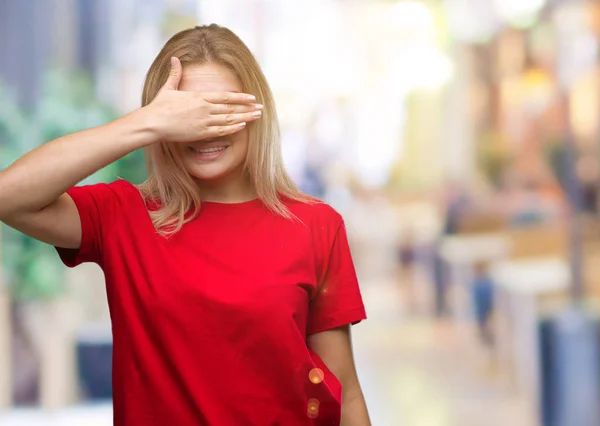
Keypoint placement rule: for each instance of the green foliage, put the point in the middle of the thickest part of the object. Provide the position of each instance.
(13, 126)
(68, 103)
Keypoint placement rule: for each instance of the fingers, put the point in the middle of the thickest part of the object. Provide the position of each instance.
(219, 131)
(174, 78)
(232, 119)
(229, 98)
(233, 108)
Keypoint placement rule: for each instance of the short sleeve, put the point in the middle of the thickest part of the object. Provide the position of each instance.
(338, 300)
(97, 205)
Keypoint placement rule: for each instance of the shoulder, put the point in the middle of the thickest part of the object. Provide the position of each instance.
(315, 213)
(117, 187)
(105, 195)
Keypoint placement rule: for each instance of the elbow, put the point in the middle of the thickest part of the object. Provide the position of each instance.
(12, 214)
(11, 205)
(9, 212)
(6, 215)
(6, 208)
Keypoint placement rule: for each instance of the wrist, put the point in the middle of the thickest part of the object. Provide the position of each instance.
(143, 131)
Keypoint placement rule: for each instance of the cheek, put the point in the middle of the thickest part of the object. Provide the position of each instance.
(240, 141)
(241, 136)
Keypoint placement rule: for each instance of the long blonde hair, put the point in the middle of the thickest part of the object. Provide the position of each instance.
(176, 195)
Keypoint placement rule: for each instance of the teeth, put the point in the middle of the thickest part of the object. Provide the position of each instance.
(208, 150)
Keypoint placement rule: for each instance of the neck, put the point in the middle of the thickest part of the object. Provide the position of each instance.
(230, 189)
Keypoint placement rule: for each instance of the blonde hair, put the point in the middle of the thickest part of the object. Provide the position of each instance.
(168, 184)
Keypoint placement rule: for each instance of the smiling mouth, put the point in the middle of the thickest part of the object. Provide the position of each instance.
(207, 151)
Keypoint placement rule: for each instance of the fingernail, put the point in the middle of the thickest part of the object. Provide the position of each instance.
(257, 113)
(258, 106)
(251, 97)
(242, 124)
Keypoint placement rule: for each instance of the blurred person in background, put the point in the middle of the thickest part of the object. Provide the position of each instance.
(482, 293)
(455, 205)
(231, 292)
(589, 175)
(407, 260)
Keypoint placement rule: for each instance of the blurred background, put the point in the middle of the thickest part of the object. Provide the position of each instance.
(459, 138)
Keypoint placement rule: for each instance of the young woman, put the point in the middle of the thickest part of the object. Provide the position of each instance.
(230, 292)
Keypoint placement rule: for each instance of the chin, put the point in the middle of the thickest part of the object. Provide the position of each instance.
(213, 173)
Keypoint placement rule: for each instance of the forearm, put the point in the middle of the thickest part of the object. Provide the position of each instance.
(354, 408)
(41, 176)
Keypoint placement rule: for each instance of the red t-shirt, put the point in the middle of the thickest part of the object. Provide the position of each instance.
(210, 325)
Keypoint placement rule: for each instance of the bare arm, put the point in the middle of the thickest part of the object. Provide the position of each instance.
(335, 349)
(32, 197)
(32, 190)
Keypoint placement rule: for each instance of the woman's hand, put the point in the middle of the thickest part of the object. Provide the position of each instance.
(187, 116)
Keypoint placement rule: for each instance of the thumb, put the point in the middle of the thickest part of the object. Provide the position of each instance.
(175, 74)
